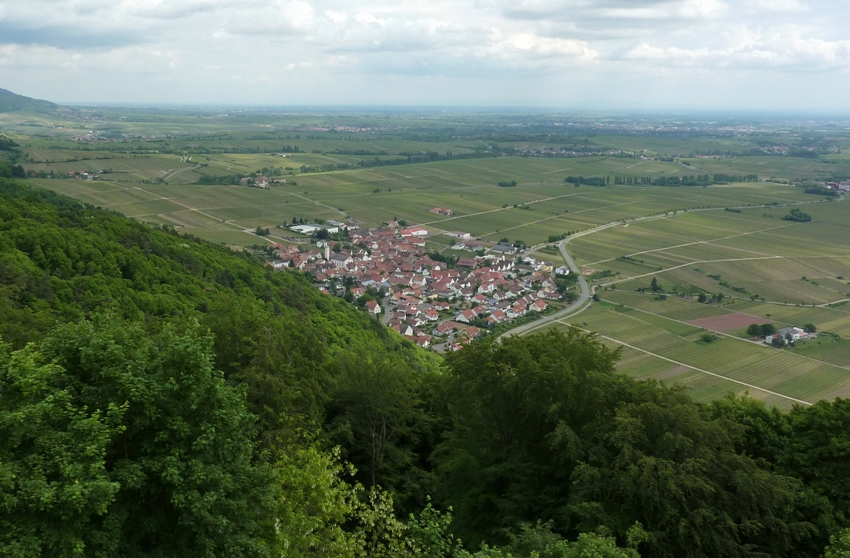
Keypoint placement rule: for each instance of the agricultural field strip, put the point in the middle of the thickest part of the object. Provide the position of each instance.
(177, 172)
(827, 305)
(498, 209)
(565, 215)
(695, 368)
(704, 262)
(322, 204)
(229, 221)
(95, 192)
(729, 336)
(665, 216)
(694, 262)
(539, 323)
(200, 212)
(700, 242)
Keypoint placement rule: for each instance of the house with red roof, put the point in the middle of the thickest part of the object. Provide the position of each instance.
(413, 231)
(373, 307)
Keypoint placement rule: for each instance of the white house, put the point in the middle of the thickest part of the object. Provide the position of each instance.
(373, 307)
(789, 334)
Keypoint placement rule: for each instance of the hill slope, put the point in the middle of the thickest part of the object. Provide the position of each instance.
(10, 102)
(209, 401)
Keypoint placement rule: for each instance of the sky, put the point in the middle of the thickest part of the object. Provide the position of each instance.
(567, 54)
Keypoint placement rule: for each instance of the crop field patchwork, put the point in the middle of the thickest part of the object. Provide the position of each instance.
(726, 242)
(743, 365)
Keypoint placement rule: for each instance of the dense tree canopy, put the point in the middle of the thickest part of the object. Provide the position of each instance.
(545, 429)
(131, 445)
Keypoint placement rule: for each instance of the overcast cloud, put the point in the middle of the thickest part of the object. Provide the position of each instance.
(770, 54)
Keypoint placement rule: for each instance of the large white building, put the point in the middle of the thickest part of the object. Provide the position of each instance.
(310, 228)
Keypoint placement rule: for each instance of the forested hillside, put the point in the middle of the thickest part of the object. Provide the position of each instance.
(13, 102)
(163, 396)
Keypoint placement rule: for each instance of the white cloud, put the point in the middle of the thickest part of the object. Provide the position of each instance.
(686, 10)
(777, 6)
(754, 49)
(367, 18)
(475, 42)
(703, 9)
(337, 18)
(544, 46)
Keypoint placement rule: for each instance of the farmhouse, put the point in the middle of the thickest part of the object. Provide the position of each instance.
(458, 234)
(503, 248)
(789, 334)
(442, 211)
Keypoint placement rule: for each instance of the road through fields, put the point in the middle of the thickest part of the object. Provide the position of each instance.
(584, 297)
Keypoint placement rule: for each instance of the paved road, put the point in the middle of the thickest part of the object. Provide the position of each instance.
(584, 297)
(577, 306)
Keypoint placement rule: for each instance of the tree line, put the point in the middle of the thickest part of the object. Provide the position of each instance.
(686, 180)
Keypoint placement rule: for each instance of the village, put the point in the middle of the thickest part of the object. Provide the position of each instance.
(390, 274)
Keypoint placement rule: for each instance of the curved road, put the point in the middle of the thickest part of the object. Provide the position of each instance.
(577, 306)
(584, 297)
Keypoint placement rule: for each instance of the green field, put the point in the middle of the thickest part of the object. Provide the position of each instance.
(371, 168)
(670, 351)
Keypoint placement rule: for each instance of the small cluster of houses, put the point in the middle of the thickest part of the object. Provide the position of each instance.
(260, 181)
(843, 186)
(423, 299)
(84, 175)
(563, 152)
(788, 335)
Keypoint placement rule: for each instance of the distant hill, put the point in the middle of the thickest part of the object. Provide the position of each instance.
(10, 102)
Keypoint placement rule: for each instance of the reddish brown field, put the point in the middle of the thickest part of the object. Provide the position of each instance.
(727, 322)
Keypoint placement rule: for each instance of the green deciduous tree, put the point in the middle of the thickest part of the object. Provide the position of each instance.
(817, 451)
(54, 483)
(159, 448)
(377, 413)
(755, 330)
(518, 409)
(545, 429)
(839, 546)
